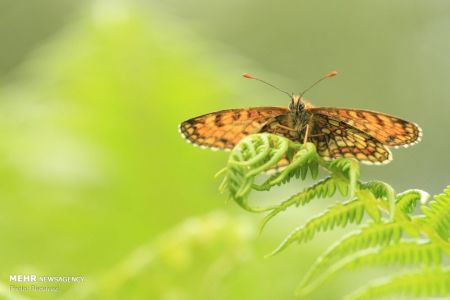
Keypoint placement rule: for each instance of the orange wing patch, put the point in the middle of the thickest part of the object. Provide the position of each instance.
(334, 138)
(389, 130)
(224, 129)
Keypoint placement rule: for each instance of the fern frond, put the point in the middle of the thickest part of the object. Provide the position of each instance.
(406, 202)
(304, 159)
(322, 189)
(404, 253)
(260, 153)
(371, 235)
(347, 170)
(371, 204)
(424, 284)
(379, 189)
(384, 191)
(251, 156)
(339, 214)
(437, 214)
(398, 234)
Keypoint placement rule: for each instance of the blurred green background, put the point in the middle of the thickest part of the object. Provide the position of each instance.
(96, 181)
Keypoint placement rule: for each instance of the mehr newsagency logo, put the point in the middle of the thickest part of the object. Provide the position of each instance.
(37, 283)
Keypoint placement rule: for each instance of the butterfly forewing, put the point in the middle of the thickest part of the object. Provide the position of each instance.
(224, 129)
(389, 130)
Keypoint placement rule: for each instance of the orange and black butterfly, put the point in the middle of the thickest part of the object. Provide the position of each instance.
(337, 132)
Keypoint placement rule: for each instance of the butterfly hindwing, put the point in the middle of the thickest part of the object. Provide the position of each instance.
(334, 138)
(389, 130)
(282, 125)
(224, 129)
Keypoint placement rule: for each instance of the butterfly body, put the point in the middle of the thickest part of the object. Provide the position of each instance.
(337, 132)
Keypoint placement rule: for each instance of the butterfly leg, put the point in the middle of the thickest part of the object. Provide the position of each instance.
(316, 135)
(305, 139)
(285, 127)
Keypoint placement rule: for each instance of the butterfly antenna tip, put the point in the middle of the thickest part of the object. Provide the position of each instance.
(331, 74)
(250, 76)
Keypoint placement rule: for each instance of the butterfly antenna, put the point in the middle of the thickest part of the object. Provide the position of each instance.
(250, 76)
(331, 74)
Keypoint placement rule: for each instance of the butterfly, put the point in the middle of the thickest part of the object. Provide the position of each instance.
(336, 132)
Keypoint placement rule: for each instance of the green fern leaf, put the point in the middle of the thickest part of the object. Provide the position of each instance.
(346, 170)
(339, 214)
(260, 153)
(421, 285)
(322, 189)
(384, 191)
(407, 201)
(371, 235)
(252, 156)
(306, 157)
(379, 189)
(404, 253)
(370, 204)
(438, 214)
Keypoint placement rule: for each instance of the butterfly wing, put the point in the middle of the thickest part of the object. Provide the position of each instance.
(335, 138)
(282, 125)
(389, 130)
(224, 129)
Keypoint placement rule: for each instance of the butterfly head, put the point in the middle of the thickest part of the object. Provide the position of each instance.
(297, 105)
